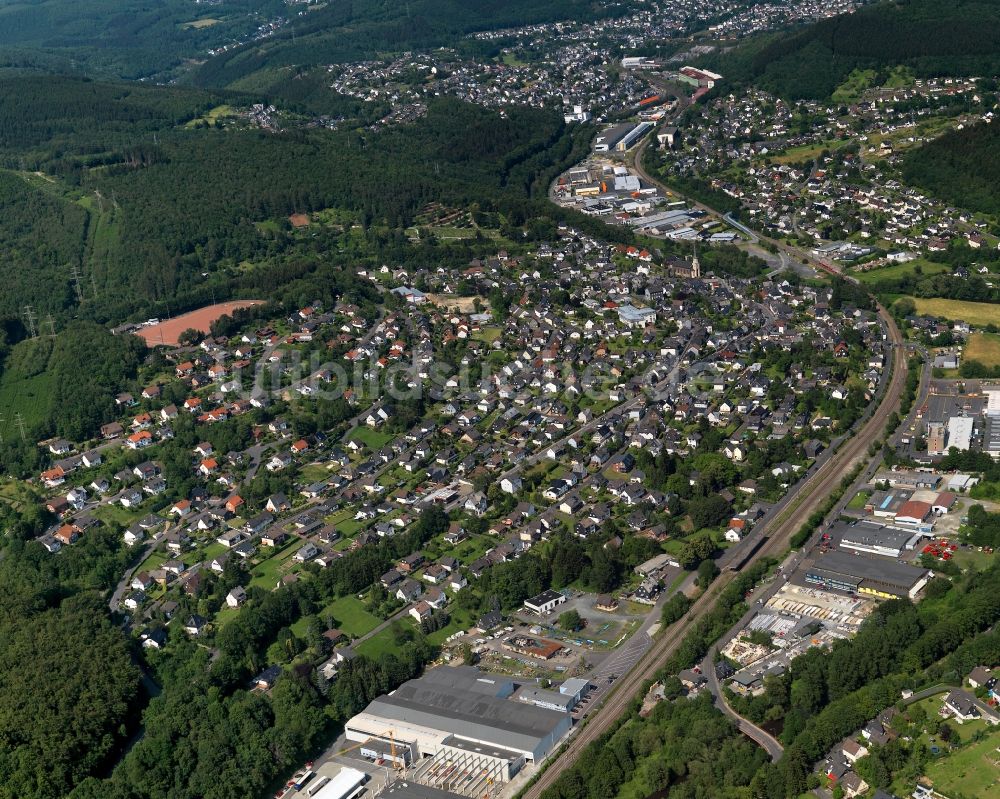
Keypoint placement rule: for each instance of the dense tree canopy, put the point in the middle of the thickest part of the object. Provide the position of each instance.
(67, 687)
(930, 38)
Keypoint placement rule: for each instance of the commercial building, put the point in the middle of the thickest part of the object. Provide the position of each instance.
(549, 700)
(698, 77)
(545, 602)
(408, 789)
(636, 317)
(960, 433)
(875, 539)
(576, 687)
(463, 714)
(886, 504)
(608, 139)
(992, 402)
(915, 514)
(991, 436)
(379, 749)
(936, 438)
(630, 139)
(841, 571)
(621, 137)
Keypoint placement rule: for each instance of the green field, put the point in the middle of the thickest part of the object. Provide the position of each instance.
(805, 152)
(198, 24)
(975, 313)
(899, 77)
(116, 514)
(900, 138)
(26, 396)
(216, 114)
(488, 334)
(371, 438)
(973, 770)
(460, 620)
(314, 472)
(16, 494)
(383, 643)
(897, 271)
(850, 90)
(267, 573)
(349, 614)
(858, 501)
(512, 60)
(983, 347)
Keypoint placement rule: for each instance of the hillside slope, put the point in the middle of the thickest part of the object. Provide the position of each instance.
(962, 167)
(109, 178)
(358, 29)
(929, 37)
(141, 38)
(122, 38)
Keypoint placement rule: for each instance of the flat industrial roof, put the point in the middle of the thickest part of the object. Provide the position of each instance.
(574, 685)
(480, 748)
(548, 595)
(960, 432)
(466, 702)
(530, 694)
(873, 535)
(862, 568)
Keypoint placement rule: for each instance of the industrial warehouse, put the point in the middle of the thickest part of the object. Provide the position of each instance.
(621, 137)
(455, 727)
(873, 538)
(867, 576)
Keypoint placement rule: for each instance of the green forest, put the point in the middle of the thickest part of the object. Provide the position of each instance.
(686, 747)
(962, 167)
(825, 696)
(359, 29)
(150, 211)
(930, 38)
(134, 39)
(121, 38)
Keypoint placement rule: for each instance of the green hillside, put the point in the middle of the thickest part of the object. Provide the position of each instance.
(139, 38)
(357, 29)
(962, 167)
(928, 37)
(110, 179)
(41, 238)
(122, 38)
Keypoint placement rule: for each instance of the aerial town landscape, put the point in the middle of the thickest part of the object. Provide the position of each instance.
(554, 400)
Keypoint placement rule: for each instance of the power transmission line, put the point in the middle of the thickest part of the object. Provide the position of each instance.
(20, 426)
(75, 274)
(30, 316)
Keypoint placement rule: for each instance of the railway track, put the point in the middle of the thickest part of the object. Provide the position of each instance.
(777, 535)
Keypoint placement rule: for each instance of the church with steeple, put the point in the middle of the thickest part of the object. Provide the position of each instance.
(682, 268)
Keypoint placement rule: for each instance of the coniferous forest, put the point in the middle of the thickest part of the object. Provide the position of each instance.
(928, 37)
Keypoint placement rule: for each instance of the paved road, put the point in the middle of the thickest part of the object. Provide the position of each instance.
(622, 660)
(756, 734)
(123, 587)
(809, 493)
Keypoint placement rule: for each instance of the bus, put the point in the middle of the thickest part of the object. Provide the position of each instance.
(299, 780)
(317, 786)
